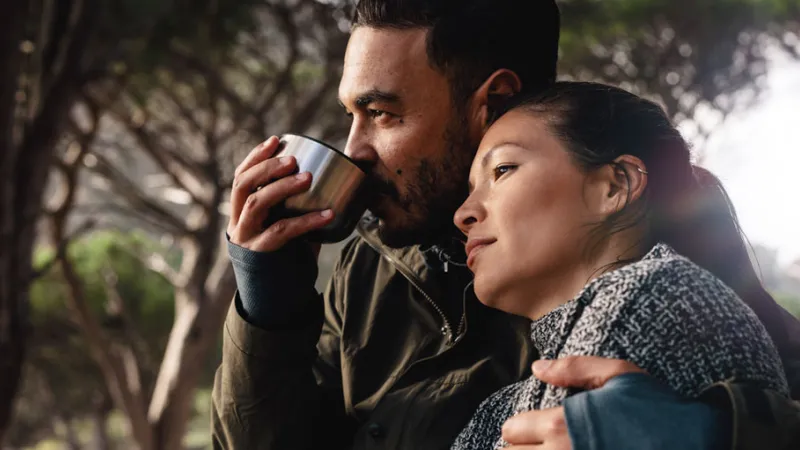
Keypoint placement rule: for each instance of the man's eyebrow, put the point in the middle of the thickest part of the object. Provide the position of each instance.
(376, 95)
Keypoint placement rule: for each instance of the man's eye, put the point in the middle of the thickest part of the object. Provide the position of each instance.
(503, 169)
(375, 113)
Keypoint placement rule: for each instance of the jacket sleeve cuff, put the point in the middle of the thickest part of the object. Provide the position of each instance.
(635, 411)
(274, 288)
(293, 345)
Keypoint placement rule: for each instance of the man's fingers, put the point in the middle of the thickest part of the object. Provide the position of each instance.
(560, 444)
(284, 230)
(246, 183)
(258, 204)
(260, 152)
(587, 372)
(536, 427)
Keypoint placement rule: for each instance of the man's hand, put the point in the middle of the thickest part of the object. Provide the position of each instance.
(547, 429)
(585, 372)
(540, 430)
(260, 183)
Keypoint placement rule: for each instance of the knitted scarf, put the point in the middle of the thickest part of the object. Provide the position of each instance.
(663, 313)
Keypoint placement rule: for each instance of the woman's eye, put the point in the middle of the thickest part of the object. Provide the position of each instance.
(503, 169)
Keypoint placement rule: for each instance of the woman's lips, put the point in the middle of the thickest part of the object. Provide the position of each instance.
(474, 246)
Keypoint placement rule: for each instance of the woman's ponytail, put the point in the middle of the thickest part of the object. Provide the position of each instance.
(703, 227)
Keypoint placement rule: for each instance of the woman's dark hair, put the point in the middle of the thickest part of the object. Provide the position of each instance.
(685, 206)
(470, 39)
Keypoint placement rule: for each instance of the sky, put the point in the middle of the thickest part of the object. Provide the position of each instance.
(756, 154)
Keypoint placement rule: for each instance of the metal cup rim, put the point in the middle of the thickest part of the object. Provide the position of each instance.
(329, 147)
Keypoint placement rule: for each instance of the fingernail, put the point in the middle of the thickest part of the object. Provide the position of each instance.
(287, 160)
(326, 214)
(302, 176)
(266, 143)
(541, 365)
(508, 427)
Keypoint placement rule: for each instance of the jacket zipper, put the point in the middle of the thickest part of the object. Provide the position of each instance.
(447, 330)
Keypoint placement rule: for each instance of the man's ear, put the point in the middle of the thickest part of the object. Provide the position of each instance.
(490, 96)
(620, 184)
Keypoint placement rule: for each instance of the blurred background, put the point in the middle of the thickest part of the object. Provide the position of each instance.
(122, 122)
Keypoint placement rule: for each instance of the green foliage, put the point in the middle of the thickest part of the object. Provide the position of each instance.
(61, 377)
(681, 53)
(790, 301)
(147, 30)
(147, 295)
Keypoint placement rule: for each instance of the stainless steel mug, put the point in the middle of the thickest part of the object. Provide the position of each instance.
(336, 183)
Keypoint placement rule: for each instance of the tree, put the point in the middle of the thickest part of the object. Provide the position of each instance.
(700, 57)
(63, 386)
(187, 122)
(140, 111)
(51, 51)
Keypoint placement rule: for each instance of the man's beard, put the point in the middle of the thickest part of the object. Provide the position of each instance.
(440, 186)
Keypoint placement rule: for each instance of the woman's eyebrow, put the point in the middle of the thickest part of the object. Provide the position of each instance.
(488, 155)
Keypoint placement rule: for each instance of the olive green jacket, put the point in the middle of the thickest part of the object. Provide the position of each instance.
(374, 367)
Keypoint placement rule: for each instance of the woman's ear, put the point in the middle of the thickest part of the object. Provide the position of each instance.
(491, 96)
(621, 183)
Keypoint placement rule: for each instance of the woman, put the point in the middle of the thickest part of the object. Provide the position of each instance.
(585, 215)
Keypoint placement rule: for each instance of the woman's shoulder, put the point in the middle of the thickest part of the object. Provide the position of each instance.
(665, 272)
(679, 322)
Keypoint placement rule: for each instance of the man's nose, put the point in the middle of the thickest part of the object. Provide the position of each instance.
(360, 149)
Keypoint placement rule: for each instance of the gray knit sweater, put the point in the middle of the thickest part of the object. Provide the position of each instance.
(663, 313)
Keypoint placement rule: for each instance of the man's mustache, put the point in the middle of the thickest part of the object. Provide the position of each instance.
(377, 186)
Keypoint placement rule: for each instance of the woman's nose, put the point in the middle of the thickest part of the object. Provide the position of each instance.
(468, 215)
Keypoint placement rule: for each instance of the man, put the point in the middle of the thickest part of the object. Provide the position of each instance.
(398, 354)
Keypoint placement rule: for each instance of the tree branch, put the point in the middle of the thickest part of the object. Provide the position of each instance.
(120, 377)
(156, 263)
(134, 196)
(303, 116)
(188, 114)
(100, 209)
(212, 77)
(61, 249)
(116, 307)
(180, 170)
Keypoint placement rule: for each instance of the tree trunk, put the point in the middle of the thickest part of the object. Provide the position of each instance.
(197, 325)
(13, 290)
(100, 437)
(27, 142)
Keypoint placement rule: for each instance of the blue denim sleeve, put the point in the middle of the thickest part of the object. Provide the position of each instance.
(275, 289)
(635, 411)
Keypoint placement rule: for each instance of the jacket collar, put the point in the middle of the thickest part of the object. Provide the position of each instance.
(417, 259)
(408, 259)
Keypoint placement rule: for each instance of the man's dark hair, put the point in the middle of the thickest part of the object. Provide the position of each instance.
(470, 39)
